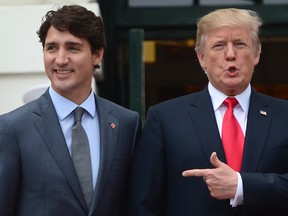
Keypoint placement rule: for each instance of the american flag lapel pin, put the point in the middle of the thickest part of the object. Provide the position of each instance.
(262, 112)
(113, 125)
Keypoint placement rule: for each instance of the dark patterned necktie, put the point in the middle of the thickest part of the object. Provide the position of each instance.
(81, 156)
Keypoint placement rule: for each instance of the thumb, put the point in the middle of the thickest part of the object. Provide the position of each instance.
(214, 160)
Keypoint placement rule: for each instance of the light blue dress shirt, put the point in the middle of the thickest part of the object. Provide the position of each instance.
(90, 121)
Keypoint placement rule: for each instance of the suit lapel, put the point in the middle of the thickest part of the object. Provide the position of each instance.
(109, 126)
(50, 130)
(258, 123)
(203, 117)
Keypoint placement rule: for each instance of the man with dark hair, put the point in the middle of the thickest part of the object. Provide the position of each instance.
(45, 167)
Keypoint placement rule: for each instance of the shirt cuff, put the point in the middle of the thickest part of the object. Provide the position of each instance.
(238, 199)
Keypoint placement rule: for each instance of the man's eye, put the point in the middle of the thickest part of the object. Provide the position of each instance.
(240, 45)
(218, 47)
(50, 48)
(74, 49)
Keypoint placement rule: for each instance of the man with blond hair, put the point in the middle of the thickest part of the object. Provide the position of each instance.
(190, 160)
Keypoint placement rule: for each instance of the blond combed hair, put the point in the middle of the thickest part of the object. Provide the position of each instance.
(229, 17)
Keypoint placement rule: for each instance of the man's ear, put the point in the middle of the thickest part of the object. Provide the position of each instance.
(201, 59)
(98, 56)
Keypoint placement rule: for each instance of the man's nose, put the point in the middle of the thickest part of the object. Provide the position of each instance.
(230, 54)
(62, 58)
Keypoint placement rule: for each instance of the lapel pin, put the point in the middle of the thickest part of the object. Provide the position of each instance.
(113, 125)
(263, 112)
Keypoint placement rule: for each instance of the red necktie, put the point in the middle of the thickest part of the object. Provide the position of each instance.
(232, 136)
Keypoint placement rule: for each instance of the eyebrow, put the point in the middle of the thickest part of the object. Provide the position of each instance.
(69, 43)
(50, 43)
(72, 43)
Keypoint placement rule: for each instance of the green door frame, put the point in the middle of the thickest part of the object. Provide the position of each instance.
(136, 72)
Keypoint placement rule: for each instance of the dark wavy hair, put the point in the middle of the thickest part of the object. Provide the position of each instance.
(78, 21)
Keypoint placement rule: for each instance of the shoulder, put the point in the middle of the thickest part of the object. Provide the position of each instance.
(277, 106)
(108, 106)
(15, 120)
(181, 102)
(24, 112)
(269, 100)
(19, 112)
(178, 108)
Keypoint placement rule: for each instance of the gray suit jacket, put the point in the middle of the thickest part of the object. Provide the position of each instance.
(37, 176)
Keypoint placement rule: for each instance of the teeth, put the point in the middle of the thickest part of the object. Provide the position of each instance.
(62, 71)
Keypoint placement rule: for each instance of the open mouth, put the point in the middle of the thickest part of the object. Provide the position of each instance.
(232, 69)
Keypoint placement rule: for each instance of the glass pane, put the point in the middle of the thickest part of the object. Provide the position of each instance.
(174, 69)
(225, 2)
(275, 1)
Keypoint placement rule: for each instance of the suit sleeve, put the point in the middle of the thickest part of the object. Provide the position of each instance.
(265, 186)
(137, 133)
(265, 191)
(9, 169)
(148, 167)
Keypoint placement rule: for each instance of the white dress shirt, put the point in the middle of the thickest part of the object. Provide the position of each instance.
(241, 114)
(90, 122)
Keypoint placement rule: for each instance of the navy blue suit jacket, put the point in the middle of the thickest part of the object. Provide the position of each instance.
(37, 176)
(181, 134)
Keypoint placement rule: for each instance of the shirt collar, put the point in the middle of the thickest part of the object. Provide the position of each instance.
(218, 97)
(64, 106)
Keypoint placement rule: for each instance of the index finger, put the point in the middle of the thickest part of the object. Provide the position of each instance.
(195, 172)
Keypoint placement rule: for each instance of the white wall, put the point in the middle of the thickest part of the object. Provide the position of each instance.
(13, 86)
(21, 57)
